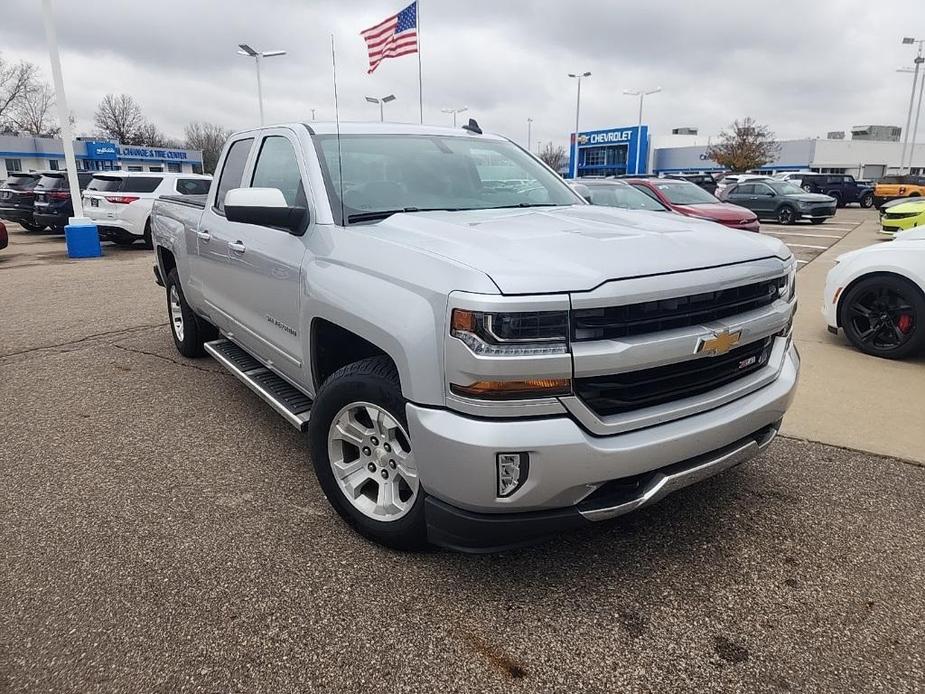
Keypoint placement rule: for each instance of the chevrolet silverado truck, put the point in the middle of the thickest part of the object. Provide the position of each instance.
(479, 358)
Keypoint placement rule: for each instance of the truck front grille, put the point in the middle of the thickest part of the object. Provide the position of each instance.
(615, 322)
(624, 392)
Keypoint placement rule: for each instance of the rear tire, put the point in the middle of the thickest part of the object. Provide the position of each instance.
(786, 215)
(30, 226)
(189, 331)
(363, 457)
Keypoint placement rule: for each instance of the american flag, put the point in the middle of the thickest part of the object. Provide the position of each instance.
(397, 35)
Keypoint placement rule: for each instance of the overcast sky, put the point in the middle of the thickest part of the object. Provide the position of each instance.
(803, 68)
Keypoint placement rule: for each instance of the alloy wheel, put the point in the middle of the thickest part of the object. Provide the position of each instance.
(882, 318)
(370, 456)
(785, 215)
(176, 313)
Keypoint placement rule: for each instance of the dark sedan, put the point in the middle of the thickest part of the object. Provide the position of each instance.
(17, 197)
(781, 201)
(691, 200)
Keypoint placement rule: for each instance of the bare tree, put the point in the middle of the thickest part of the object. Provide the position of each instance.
(745, 145)
(15, 81)
(150, 135)
(208, 137)
(119, 117)
(34, 112)
(554, 156)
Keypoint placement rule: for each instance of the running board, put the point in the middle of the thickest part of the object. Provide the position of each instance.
(282, 396)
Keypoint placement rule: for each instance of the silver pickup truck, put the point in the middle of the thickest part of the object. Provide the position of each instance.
(479, 358)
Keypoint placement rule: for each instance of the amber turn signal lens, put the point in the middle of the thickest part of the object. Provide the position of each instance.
(514, 390)
(463, 321)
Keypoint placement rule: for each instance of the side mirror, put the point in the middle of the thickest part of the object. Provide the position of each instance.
(265, 207)
(583, 191)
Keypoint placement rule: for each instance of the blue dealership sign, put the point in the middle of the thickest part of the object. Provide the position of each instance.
(106, 151)
(610, 152)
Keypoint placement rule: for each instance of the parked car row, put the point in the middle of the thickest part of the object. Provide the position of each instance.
(893, 187)
(120, 202)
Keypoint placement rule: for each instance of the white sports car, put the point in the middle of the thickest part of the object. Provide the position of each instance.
(877, 296)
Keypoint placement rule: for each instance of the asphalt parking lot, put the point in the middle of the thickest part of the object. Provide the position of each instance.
(163, 531)
(808, 240)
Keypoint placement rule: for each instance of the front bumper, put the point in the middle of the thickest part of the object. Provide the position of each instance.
(568, 466)
(817, 212)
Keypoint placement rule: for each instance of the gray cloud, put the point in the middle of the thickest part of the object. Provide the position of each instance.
(802, 68)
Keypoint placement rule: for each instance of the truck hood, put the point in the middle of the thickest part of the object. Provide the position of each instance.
(577, 248)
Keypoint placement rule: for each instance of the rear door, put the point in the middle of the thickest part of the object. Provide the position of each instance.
(764, 200)
(210, 262)
(266, 263)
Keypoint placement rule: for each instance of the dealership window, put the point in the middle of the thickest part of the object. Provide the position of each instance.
(156, 169)
(53, 165)
(594, 157)
(134, 168)
(174, 167)
(13, 165)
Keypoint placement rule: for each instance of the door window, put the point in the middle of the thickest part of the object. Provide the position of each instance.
(744, 189)
(762, 189)
(277, 167)
(232, 171)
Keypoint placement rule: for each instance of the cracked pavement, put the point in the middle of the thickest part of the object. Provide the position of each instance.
(162, 531)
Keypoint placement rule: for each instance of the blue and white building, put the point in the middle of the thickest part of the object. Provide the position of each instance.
(20, 153)
(611, 152)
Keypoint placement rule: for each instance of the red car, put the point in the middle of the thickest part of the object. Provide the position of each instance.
(691, 200)
(4, 238)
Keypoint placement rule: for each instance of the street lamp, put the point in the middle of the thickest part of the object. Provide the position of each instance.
(529, 132)
(919, 59)
(577, 76)
(454, 111)
(384, 100)
(642, 94)
(258, 56)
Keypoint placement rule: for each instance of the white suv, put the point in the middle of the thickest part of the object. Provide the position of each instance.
(120, 202)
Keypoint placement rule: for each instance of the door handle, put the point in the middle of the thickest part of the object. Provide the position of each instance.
(203, 235)
(236, 246)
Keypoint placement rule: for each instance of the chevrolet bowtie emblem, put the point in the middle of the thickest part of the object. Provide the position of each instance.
(720, 343)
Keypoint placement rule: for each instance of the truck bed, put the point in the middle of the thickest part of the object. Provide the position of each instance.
(198, 201)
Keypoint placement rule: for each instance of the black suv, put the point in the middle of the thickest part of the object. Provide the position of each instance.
(842, 187)
(53, 204)
(17, 196)
(704, 180)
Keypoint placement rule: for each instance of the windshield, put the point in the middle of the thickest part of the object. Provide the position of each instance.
(51, 182)
(785, 188)
(625, 196)
(385, 174)
(684, 193)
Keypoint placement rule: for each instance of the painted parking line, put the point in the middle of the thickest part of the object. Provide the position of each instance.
(810, 236)
(802, 262)
(803, 245)
(820, 227)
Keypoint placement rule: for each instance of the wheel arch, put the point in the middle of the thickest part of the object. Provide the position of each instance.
(333, 347)
(868, 275)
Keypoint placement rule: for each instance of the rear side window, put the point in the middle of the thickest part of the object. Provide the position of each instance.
(193, 186)
(233, 171)
(277, 167)
(106, 184)
(744, 189)
(141, 184)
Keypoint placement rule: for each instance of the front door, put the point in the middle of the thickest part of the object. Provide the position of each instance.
(211, 264)
(266, 263)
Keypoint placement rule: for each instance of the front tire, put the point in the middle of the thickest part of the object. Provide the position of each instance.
(884, 316)
(31, 226)
(362, 454)
(867, 200)
(786, 215)
(189, 331)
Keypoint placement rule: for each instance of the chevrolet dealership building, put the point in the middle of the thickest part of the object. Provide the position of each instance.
(18, 153)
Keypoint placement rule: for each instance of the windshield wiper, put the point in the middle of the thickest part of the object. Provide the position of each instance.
(379, 215)
(524, 204)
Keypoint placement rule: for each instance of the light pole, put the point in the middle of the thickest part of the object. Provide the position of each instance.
(642, 94)
(258, 56)
(313, 113)
(529, 132)
(382, 101)
(577, 76)
(81, 234)
(919, 59)
(454, 111)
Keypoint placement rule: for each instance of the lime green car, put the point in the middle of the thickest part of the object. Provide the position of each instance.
(901, 217)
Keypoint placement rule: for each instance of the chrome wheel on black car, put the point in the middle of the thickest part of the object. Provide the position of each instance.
(882, 316)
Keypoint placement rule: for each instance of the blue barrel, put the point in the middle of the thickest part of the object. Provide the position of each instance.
(83, 241)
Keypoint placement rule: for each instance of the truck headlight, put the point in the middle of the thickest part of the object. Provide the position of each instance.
(532, 333)
(787, 287)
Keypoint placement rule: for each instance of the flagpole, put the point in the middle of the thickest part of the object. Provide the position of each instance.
(420, 73)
